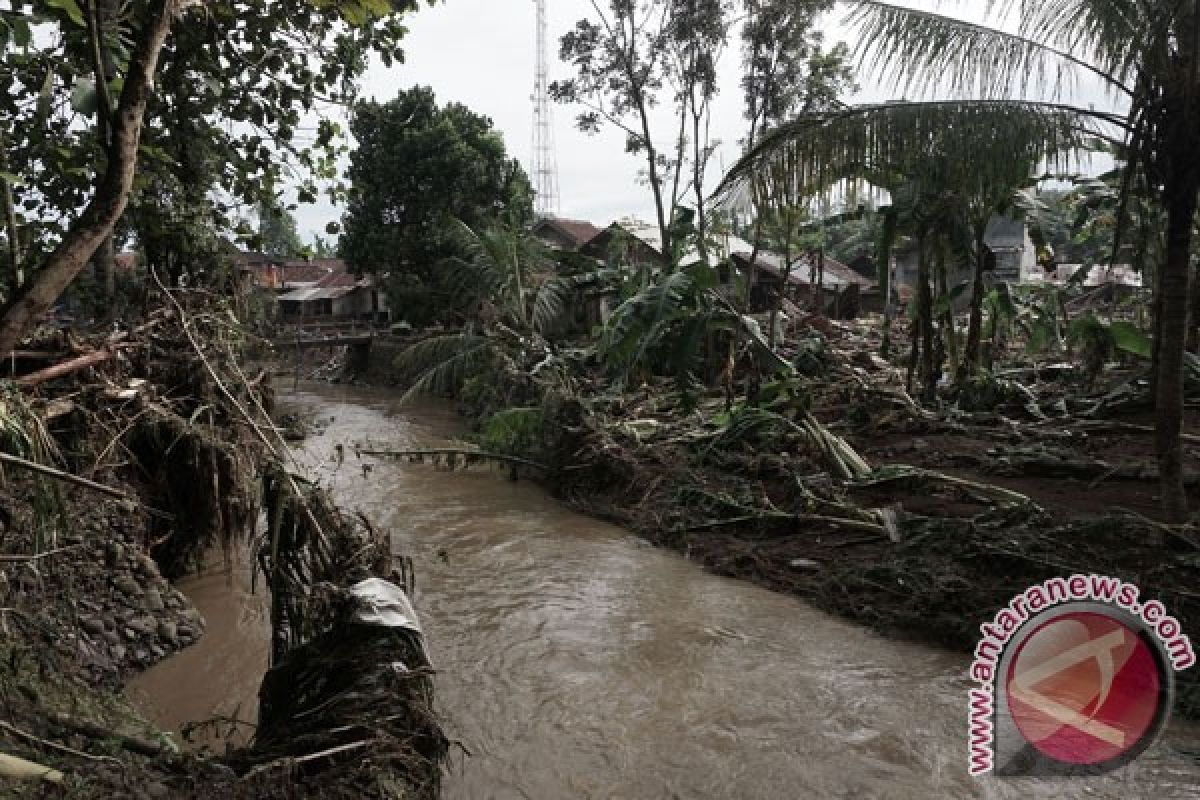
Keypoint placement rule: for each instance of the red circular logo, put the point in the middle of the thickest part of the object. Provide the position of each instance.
(1084, 688)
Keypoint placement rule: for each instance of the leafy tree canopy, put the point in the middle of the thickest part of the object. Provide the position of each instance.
(419, 167)
(234, 82)
(277, 233)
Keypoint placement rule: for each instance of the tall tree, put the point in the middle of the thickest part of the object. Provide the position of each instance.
(418, 169)
(621, 61)
(699, 33)
(785, 70)
(785, 67)
(1147, 55)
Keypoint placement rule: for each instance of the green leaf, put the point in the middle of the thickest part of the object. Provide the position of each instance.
(84, 98)
(333, 228)
(944, 302)
(45, 98)
(22, 34)
(1128, 338)
(11, 179)
(70, 8)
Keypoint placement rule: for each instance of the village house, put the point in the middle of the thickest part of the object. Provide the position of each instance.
(336, 296)
(845, 292)
(317, 289)
(632, 242)
(567, 235)
(1010, 244)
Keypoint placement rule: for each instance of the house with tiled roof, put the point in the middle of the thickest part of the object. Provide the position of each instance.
(845, 290)
(559, 233)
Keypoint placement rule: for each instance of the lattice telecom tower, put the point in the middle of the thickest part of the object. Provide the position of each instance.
(545, 167)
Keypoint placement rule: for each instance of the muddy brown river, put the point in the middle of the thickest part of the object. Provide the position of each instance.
(575, 661)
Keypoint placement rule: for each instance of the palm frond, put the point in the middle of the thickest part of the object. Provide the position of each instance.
(924, 50)
(639, 322)
(441, 364)
(988, 142)
(1107, 33)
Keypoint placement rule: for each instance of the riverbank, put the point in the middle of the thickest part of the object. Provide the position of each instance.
(835, 486)
(575, 660)
(136, 458)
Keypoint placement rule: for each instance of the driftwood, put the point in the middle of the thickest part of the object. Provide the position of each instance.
(67, 477)
(450, 451)
(30, 355)
(131, 743)
(62, 748)
(20, 769)
(65, 368)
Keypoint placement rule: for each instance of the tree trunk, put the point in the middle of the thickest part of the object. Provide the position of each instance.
(948, 334)
(971, 353)
(10, 223)
(1194, 322)
(1172, 330)
(925, 323)
(112, 193)
(699, 159)
(884, 272)
(777, 306)
(818, 289)
(664, 224)
(101, 19)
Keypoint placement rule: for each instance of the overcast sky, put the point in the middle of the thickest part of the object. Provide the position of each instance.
(481, 53)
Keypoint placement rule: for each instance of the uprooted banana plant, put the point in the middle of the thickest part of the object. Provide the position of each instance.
(350, 682)
(842, 459)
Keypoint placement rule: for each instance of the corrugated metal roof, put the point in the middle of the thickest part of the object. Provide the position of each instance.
(836, 274)
(315, 293)
(650, 235)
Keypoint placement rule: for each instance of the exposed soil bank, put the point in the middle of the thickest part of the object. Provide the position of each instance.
(137, 453)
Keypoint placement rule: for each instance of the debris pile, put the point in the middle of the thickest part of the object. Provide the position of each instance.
(127, 458)
(831, 481)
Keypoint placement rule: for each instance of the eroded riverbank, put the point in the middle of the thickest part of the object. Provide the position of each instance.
(576, 661)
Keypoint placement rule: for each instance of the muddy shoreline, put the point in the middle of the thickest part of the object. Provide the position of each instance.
(636, 458)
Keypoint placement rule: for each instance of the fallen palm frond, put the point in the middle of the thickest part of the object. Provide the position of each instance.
(453, 458)
(917, 478)
(441, 364)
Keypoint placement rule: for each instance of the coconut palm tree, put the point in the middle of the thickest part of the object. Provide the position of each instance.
(1144, 53)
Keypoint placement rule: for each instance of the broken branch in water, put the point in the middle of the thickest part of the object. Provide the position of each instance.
(467, 455)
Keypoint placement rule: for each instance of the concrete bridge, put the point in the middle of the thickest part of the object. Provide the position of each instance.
(324, 340)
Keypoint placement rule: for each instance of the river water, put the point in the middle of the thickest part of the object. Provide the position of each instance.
(575, 661)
